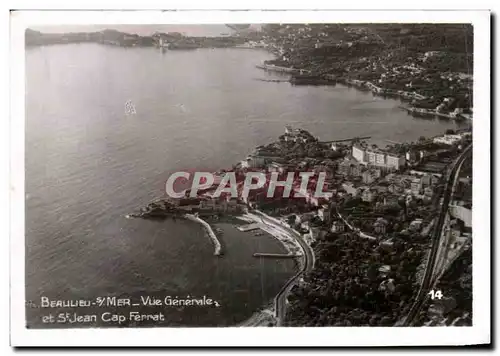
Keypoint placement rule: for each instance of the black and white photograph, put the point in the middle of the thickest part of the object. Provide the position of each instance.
(313, 173)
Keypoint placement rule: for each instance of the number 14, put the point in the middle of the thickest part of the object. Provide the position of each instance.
(436, 294)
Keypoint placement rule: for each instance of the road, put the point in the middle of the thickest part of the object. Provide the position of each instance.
(428, 279)
(280, 299)
(354, 229)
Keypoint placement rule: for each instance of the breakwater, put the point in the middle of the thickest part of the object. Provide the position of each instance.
(211, 233)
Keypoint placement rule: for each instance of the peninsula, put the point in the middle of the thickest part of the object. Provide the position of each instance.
(171, 40)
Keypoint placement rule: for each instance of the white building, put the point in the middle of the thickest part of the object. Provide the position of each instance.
(461, 213)
(375, 158)
(378, 158)
(276, 167)
(358, 153)
(395, 161)
(253, 162)
(448, 139)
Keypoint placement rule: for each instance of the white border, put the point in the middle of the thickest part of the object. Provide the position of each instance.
(479, 333)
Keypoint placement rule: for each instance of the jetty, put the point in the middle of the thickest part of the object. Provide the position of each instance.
(208, 228)
(276, 255)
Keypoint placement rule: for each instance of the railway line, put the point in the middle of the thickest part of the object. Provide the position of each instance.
(428, 280)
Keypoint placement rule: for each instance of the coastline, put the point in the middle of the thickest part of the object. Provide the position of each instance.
(374, 89)
(307, 266)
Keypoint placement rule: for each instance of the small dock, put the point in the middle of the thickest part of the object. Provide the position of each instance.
(275, 255)
(348, 139)
(248, 227)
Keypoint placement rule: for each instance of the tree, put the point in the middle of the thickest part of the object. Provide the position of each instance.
(291, 220)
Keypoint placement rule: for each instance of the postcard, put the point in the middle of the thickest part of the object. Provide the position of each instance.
(281, 178)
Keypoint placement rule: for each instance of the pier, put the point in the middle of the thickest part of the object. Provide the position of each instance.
(348, 139)
(275, 255)
(211, 233)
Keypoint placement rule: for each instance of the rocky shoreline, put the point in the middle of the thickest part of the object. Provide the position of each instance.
(306, 77)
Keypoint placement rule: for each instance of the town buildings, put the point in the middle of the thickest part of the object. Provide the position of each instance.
(371, 175)
(369, 195)
(416, 186)
(349, 167)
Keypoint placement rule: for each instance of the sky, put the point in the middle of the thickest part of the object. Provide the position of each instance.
(144, 30)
